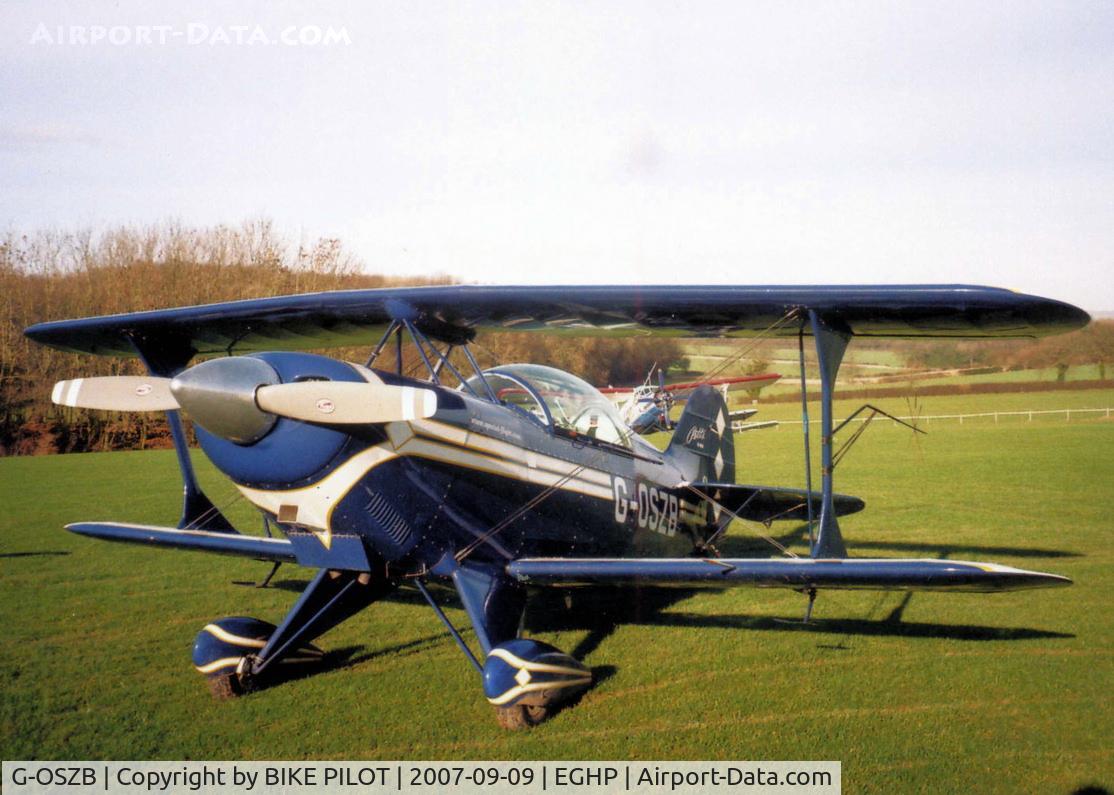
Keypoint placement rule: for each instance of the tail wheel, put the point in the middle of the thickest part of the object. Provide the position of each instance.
(520, 716)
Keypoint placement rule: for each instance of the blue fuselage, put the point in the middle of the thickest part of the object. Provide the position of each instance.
(477, 474)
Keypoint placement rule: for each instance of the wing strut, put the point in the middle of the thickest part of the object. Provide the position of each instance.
(874, 412)
(832, 337)
(831, 342)
(805, 426)
(423, 330)
(381, 344)
(165, 360)
(449, 626)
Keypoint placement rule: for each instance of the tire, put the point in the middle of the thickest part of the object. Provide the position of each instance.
(224, 686)
(520, 716)
(233, 684)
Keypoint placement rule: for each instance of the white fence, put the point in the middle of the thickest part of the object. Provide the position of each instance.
(1067, 414)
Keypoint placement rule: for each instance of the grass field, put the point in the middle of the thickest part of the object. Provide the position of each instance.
(860, 363)
(772, 351)
(934, 405)
(929, 692)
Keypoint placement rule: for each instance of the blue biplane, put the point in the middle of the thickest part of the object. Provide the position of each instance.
(496, 480)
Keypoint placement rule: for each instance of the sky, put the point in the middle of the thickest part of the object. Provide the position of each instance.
(622, 142)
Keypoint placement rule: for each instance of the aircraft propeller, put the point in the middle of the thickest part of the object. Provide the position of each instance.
(116, 393)
(240, 397)
(667, 400)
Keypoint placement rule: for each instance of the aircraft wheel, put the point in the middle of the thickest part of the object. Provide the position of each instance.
(232, 684)
(224, 687)
(520, 716)
(527, 681)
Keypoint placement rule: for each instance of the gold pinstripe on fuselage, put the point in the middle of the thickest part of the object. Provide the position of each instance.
(436, 441)
(458, 446)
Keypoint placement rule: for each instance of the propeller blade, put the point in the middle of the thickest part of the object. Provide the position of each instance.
(116, 393)
(346, 402)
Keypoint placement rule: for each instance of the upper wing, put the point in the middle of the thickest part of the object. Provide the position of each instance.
(352, 317)
(796, 573)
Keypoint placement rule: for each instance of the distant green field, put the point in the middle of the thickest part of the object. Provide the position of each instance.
(790, 383)
(924, 693)
(951, 404)
(860, 363)
(768, 350)
(1086, 372)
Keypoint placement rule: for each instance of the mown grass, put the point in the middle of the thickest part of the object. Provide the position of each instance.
(790, 382)
(930, 693)
(855, 355)
(1082, 372)
(859, 363)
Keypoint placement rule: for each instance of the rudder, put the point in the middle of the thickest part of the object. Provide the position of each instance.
(703, 445)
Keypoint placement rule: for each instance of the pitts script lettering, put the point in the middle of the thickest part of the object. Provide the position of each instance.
(696, 434)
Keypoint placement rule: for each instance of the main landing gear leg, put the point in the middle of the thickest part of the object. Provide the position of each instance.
(525, 680)
(239, 654)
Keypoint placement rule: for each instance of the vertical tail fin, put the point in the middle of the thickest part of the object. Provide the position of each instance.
(703, 447)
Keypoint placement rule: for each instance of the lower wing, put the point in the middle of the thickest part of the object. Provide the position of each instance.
(884, 574)
(317, 550)
(276, 549)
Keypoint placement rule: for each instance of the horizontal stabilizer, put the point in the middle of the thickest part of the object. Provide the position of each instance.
(881, 574)
(276, 549)
(743, 427)
(770, 503)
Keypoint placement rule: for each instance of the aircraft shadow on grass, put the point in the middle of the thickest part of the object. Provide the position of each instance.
(35, 554)
(740, 545)
(601, 611)
(352, 656)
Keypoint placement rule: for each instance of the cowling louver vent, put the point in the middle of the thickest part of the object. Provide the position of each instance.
(389, 519)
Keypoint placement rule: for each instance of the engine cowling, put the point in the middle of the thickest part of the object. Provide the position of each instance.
(249, 445)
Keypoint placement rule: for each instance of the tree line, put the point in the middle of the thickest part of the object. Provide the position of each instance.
(51, 274)
(1092, 345)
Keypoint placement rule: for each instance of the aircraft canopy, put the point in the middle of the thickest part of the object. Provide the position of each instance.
(558, 399)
